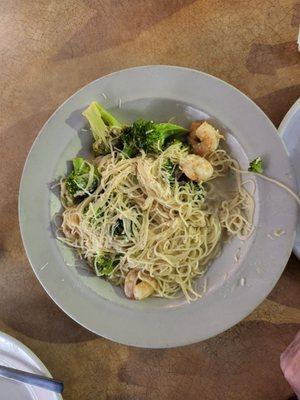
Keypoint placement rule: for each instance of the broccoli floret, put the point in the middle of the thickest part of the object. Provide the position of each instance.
(167, 169)
(104, 126)
(197, 189)
(162, 134)
(256, 165)
(118, 228)
(184, 146)
(105, 263)
(130, 139)
(142, 135)
(134, 137)
(83, 180)
(170, 171)
(149, 136)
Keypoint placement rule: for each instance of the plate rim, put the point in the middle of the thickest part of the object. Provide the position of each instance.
(126, 341)
(282, 133)
(288, 116)
(31, 355)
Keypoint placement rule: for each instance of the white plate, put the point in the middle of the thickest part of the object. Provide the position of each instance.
(159, 93)
(14, 354)
(289, 130)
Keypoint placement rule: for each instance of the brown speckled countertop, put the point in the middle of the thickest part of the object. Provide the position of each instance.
(48, 50)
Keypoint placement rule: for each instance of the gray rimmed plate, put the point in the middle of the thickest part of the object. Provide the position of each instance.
(236, 282)
(15, 354)
(289, 131)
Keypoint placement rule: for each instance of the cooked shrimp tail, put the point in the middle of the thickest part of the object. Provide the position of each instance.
(204, 138)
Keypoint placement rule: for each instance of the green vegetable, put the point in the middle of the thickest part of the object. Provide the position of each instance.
(197, 189)
(118, 228)
(104, 126)
(134, 137)
(157, 139)
(149, 136)
(184, 146)
(105, 263)
(83, 180)
(170, 171)
(256, 165)
(142, 135)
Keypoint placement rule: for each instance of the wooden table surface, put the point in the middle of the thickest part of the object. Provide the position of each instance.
(51, 48)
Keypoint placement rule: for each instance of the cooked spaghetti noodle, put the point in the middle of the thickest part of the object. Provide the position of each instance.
(167, 231)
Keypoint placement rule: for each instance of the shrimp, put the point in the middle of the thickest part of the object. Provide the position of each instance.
(136, 289)
(130, 282)
(196, 168)
(144, 289)
(204, 138)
